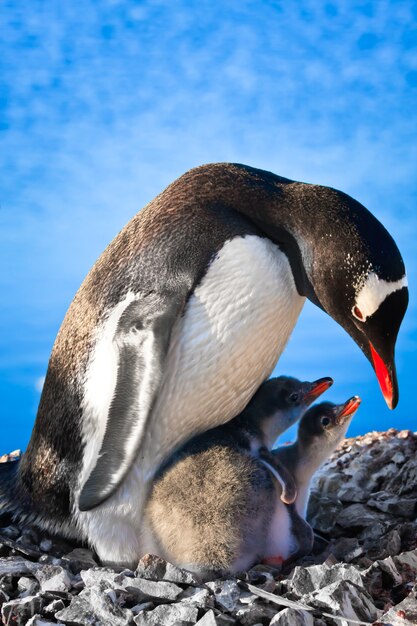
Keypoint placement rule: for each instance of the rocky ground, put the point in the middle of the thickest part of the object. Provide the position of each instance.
(363, 502)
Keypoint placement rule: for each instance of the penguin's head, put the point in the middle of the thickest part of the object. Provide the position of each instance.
(356, 274)
(324, 425)
(280, 402)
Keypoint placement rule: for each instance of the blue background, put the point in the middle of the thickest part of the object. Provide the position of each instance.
(104, 103)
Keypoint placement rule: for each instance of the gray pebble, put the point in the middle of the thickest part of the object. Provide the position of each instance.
(91, 606)
(292, 617)
(226, 593)
(168, 615)
(53, 578)
(45, 545)
(154, 568)
(18, 612)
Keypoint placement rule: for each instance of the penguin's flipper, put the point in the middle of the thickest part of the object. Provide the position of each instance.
(142, 340)
(282, 475)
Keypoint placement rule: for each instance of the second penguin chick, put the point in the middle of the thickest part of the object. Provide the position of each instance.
(320, 431)
(276, 406)
(207, 510)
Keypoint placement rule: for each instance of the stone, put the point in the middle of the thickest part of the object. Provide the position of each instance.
(208, 619)
(347, 549)
(249, 615)
(28, 537)
(27, 586)
(127, 572)
(21, 547)
(406, 563)
(322, 512)
(226, 593)
(408, 532)
(393, 504)
(49, 559)
(346, 599)
(154, 568)
(280, 600)
(53, 578)
(374, 549)
(390, 571)
(292, 617)
(404, 482)
(54, 606)
(142, 589)
(143, 606)
(359, 516)
(79, 559)
(308, 579)
(246, 597)
(17, 566)
(199, 596)
(384, 547)
(139, 589)
(111, 593)
(223, 619)
(10, 531)
(168, 615)
(3, 597)
(92, 606)
(211, 618)
(373, 533)
(18, 612)
(46, 545)
(11, 457)
(263, 576)
(38, 620)
(350, 493)
(404, 613)
(97, 575)
(380, 577)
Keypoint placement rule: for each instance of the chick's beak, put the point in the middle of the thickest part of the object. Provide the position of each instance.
(317, 388)
(348, 408)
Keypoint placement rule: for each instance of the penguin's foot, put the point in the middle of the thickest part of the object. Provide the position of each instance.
(274, 561)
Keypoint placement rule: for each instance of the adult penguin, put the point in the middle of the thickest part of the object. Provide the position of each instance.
(178, 323)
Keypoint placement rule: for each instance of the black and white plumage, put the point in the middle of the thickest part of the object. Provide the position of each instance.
(320, 431)
(180, 320)
(212, 503)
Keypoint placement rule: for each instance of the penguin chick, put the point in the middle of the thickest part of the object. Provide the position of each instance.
(211, 503)
(320, 431)
(276, 406)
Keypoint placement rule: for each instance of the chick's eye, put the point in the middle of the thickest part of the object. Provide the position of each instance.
(325, 421)
(356, 312)
(294, 398)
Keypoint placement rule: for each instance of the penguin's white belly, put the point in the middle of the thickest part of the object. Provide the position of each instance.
(280, 543)
(234, 329)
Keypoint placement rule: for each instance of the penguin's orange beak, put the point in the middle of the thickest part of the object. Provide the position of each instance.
(317, 388)
(349, 408)
(387, 381)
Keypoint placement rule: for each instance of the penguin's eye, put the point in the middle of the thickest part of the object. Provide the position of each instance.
(325, 421)
(356, 312)
(294, 398)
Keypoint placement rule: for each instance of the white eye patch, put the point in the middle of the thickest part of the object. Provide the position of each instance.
(373, 293)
